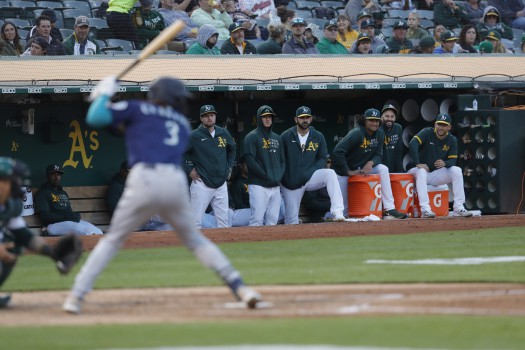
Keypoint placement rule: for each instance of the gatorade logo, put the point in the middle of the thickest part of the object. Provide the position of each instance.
(437, 200)
(376, 204)
(410, 189)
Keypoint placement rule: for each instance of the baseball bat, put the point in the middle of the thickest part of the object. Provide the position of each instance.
(166, 35)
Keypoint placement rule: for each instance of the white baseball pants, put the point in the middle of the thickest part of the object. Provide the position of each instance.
(202, 196)
(264, 204)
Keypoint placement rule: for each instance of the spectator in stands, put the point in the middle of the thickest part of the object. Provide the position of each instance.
(492, 21)
(424, 4)
(398, 43)
(312, 33)
(237, 45)
(38, 47)
(53, 207)
(261, 8)
(448, 42)
(251, 29)
(401, 4)
(346, 35)
(495, 39)
(361, 17)
(438, 30)
(364, 44)
(468, 38)
(368, 28)
(214, 15)
(55, 31)
(427, 45)
(206, 42)
(378, 18)
(475, 10)
(170, 14)
(79, 43)
(286, 16)
(298, 45)
(149, 23)
(274, 44)
(512, 12)
(118, 16)
(414, 30)
(329, 44)
(449, 14)
(187, 6)
(354, 7)
(43, 30)
(485, 47)
(11, 39)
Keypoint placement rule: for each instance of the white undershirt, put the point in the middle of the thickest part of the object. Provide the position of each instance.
(239, 47)
(302, 139)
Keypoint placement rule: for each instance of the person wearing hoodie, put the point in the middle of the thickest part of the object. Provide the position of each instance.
(512, 12)
(492, 21)
(206, 42)
(264, 156)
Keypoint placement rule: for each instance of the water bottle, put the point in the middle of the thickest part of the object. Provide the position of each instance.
(475, 105)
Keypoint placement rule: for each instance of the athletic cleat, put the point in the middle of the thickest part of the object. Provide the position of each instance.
(463, 213)
(4, 300)
(428, 214)
(249, 296)
(338, 217)
(393, 214)
(73, 304)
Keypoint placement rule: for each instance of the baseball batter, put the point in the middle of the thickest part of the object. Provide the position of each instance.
(264, 156)
(393, 146)
(435, 153)
(360, 152)
(157, 134)
(209, 163)
(305, 155)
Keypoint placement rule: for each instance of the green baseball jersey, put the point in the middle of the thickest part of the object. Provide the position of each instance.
(356, 149)
(239, 197)
(211, 156)
(300, 163)
(53, 205)
(149, 24)
(426, 148)
(393, 148)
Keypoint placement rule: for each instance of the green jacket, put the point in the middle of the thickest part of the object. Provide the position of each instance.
(264, 155)
(52, 205)
(300, 165)
(269, 47)
(426, 148)
(325, 46)
(393, 148)
(148, 25)
(403, 47)
(114, 192)
(197, 49)
(450, 18)
(356, 149)
(92, 47)
(238, 193)
(212, 157)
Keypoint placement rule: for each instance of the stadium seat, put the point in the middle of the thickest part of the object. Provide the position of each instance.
(403, 14)
(24, 9)
(20, 23)
(94, 4)
(70, 16)
(78, 5)
(389, 22)
(101, 43)
(104, 34)
(518, 34)
(66, 32)
(60, 19)
(49, 4)
(262, 23)
(1, 22)
(319, 21)
(303, 14)
(304, 4)
(427, 14)
(426, 23)
(125, 45)
(292, 5)
(166, 52)
(98, 23)
(333, 4)
(8, 11)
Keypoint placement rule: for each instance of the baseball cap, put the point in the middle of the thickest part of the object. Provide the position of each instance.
(367, 23)
(443, 118)
(363, 13)
(486, 47)
(400, 24)
(303, 112)
(146, 3)
(387, 107)
(330, 23)
(427, 41)
(448, 36)
(494, 35)
(298, 21)
(492, 12)
(53, 168)
(235, 27)
(50, 14)
(265, 110)
(314, 28)
(372, 114)
(81, 21)
(363, 36)
(41, 42)
(207, 109)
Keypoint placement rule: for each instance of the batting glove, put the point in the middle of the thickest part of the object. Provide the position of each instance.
(108, 86)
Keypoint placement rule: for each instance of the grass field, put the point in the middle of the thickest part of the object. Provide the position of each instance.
(314, 261)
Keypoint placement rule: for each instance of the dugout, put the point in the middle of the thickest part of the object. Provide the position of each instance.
(43, 103)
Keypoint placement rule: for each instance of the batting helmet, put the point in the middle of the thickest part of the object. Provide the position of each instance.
(169, 91)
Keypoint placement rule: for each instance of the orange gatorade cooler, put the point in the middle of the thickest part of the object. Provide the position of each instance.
(364, 196)
(403, 192)
(438, 198)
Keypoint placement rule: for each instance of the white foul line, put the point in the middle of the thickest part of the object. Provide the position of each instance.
(456, 261)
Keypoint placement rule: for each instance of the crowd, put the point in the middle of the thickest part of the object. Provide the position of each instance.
(215, 27)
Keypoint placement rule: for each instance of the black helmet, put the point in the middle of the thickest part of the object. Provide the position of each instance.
(168, 91)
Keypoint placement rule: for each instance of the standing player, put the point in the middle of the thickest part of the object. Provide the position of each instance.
(264, 156)
(209, 163)
(393, 146)
(435, 153)
(360, 152)
(157, 134)
(305, 155)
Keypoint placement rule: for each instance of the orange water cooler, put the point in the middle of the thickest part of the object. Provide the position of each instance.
(403, 192)
(438, 197)
(364, 196)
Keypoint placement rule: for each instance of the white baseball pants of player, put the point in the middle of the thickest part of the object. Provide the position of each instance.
(320, 178)
(386, 188)
(81, 228)
(438, 177)
(153, 189)
(202, 196)
(264, 204)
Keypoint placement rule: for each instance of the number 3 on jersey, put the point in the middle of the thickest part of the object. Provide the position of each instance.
(173, 132)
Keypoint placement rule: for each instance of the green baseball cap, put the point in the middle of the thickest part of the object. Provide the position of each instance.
(207, 109)
(486, 47)
(448, 36)
(443, 118)
(265, 110)
(494, 35)
(303, 112)
(427, 41)
(372, 114)
(389, 106)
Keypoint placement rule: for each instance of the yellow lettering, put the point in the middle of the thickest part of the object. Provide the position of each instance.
(365, 143)
(312, 146)
(266, 143)
(446, 148)
(222, 142)
(93, 137)
(77, 145)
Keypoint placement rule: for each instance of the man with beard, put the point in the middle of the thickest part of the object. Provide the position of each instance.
(237, 45)
(393, 145)
(305, 154)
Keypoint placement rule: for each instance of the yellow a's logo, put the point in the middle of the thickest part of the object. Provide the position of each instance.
(77, 145)
(54, 198)
(312, 146)
(365, 143)
(445, 148)
(222, 142)
(266, 143)
(245, 188)
(387, 140)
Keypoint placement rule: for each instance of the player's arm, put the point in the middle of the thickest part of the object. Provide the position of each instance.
(99, 113)
(339, 154)
(250, 146)
(414, 145)
(322, 153)
(452, 155)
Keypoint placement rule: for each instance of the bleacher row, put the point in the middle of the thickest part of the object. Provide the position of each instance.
(23, 14)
